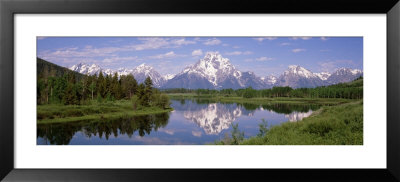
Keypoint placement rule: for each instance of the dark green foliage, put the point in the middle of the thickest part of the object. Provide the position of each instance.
(148, 92)
(351, 90)
(142, 95)
(61, 134)
(334, 125)
(70, 96)
(164, 103)
(58, 85)
(51, 69)
(102, 85)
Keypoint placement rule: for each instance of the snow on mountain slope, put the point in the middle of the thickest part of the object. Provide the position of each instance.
(323, 75)
(86, 69)
(344, 75)
(216, 72)
(168, 76)
(143, 71)
(298, 77)
(140, 73)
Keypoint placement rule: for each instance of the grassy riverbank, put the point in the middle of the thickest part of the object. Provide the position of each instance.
(58, 113)
(263, 100)
(331, 125)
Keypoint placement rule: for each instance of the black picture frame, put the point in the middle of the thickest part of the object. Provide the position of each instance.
(9, 8)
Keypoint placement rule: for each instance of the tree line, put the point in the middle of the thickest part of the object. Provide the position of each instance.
(352, 90)
(68, 90)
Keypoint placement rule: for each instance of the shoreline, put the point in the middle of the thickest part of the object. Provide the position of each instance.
(55, 113)
(323, 127)
(264, 100)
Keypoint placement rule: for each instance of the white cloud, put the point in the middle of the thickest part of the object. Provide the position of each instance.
(260, 59)
(157, 43)
(225, 45)
(167, 55)
(182, 42)
(329, 66)
(324, 38)
(40, 38)
(212, 41)
(264, 59)
(150, 43)
(236, 53)
(90, 51)
(302, 38)
(260, 39)
(285, 44)
(196, 133)
(298, 50)
(114, 59)
(197, 52)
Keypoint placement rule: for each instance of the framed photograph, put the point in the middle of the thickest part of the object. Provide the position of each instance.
(147, 90)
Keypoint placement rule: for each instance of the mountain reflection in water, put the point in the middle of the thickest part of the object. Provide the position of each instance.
(193, 121)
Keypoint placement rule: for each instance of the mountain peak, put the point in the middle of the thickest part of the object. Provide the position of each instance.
(211, 55)
(298, 70)
(143, 66)
(291, 67)
(342, 71)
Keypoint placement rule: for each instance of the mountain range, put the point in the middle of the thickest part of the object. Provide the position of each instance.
(216, 72)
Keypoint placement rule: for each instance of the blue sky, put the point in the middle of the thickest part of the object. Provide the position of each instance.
(170, 55)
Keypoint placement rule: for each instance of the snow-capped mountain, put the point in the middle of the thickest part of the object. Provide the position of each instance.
(323, 75)
(269, 80)
(140, 73)
(214, 72)
(297, 77)
(143, 71)
(344, 75)
(124, 71)
(86, 69)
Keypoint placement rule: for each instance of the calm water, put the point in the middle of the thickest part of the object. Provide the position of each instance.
(192, 122)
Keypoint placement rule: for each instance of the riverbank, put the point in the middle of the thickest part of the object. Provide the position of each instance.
(263, 100)
(58, 113)
(331, 125)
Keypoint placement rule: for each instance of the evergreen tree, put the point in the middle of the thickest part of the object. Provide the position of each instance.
(131, 85)
(101, 85)
(116, 89)
(142, 95)
(70, 96)
(148, 91)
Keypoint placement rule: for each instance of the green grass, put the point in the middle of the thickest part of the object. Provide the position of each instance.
(57, 113)
(331, 125)
(263, 100)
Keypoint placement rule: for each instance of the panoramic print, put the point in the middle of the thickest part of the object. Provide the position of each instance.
(199, 91)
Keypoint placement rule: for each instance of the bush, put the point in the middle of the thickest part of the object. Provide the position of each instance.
(164, 101)
(237, 136)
